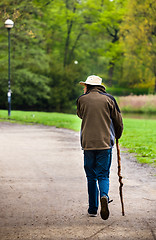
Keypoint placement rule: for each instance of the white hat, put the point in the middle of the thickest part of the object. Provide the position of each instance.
(93, 80)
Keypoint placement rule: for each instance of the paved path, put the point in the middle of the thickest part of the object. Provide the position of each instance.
(43, 190)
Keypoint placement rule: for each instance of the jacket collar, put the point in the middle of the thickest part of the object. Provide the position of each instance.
(97, 89)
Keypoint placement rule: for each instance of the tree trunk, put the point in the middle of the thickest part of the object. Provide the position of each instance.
(69, 29)
(67, 43)
(110, 73)
(71, 54)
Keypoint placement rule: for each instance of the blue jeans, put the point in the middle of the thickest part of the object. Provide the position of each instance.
(97, 167)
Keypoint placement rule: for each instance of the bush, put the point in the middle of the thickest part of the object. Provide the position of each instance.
(126, 91)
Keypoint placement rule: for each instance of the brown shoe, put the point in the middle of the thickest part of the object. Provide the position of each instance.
(104, 208)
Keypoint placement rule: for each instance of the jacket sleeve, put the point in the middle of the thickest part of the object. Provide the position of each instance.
(117, 119)
(79, 114)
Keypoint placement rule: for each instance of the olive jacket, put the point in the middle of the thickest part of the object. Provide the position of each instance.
(101, 119)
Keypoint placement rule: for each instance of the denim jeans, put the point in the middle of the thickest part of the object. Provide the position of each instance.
(97, 167)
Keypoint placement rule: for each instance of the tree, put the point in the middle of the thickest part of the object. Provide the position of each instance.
(48, 37)
(139, 43)
(29, 65)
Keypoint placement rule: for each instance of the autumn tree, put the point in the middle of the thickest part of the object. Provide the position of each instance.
(139, 43)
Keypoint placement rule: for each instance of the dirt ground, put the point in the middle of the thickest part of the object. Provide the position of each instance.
(43, 191)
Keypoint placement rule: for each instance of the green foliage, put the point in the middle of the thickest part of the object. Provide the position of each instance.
(139, 44)
(64, 89)
(30, 90)
(120, 91)
(29, 62)
(113, 39)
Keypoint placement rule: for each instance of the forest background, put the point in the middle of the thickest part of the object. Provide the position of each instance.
(55, 44)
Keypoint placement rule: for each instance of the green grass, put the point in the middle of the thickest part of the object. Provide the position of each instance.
(139, 135)
(60, 120)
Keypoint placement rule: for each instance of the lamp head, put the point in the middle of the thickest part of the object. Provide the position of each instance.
(9, 23)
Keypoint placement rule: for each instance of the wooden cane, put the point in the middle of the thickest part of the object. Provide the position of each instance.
(120, 177)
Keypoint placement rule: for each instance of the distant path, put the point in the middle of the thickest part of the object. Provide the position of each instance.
(43, 190)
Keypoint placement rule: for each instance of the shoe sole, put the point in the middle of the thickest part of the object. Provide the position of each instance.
(104, 208)
(92, 215)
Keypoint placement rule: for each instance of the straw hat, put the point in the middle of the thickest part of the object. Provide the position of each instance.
(93, 80)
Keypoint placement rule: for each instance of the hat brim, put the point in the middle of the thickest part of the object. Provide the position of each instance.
(84, 83)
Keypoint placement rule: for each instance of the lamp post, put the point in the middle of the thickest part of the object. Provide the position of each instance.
(9, 24)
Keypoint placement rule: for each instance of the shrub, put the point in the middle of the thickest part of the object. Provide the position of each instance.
(126, 91)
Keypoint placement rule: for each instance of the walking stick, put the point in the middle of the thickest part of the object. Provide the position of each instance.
(120, 177)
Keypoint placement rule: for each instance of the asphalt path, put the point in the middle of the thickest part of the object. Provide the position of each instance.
(43, 189)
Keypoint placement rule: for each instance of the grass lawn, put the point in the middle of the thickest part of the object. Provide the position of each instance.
(139, 135)
(60, 120)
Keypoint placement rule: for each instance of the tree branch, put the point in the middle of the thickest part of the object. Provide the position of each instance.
(74, 45)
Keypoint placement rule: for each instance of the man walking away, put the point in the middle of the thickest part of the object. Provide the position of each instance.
(101, 124)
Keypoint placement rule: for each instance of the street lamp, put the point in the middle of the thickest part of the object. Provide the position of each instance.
(9, 24)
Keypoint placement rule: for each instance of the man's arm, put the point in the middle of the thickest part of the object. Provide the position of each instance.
(78, 109)
(117, 119)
